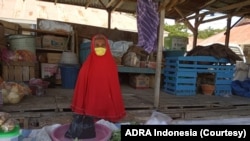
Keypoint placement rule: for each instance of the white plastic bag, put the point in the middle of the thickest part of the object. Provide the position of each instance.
(158, 118)
(241, 71)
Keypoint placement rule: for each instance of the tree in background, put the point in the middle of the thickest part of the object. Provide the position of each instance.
(203, 34)
(179, 29)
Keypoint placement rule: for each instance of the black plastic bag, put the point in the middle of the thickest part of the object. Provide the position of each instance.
(81, 127)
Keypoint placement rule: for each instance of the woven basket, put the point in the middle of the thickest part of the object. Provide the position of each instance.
(207, 89)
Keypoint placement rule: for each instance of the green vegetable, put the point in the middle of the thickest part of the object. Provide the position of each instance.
(116, 136)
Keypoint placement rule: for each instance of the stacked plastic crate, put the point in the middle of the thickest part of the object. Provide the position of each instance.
(181, 74)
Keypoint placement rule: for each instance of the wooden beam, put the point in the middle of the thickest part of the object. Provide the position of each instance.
(189, 25)
(110, 3)
(163, 4)
(102, 3)
(242, 13)
(197, 15)
(118, 4)
(214, 19)
(223, 17)
(233, 6)
(87, 4)
(206, 4)
(202, 14)
(171, 5)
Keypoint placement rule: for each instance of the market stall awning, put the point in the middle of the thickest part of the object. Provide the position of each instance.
(174, 9)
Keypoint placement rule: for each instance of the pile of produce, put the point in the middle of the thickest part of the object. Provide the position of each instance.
(6, 122)
(7, 55)
(217, 50)
(13, 92)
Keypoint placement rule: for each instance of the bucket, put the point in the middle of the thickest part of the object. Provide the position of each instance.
(207, 89)
(103, 133)
(22, 42)
(69, 75)
(11, 135)
(69, 58)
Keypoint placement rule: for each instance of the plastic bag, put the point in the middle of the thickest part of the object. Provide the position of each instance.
(158, 118)
(9, 125)
(81, 127)
(3, 117)
(241, 72)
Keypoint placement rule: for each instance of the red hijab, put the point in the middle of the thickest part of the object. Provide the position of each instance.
(97, 92)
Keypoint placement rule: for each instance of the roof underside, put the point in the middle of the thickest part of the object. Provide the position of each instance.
(174, 9)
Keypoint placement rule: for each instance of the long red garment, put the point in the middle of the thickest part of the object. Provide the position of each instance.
(97, 92)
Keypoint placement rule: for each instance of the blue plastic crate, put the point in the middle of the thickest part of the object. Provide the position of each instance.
(173, 53)
(180, 88)
(198, 63)
(223, 90)
(225, 78)
(180, 77)
(190, 92)
(167, 72)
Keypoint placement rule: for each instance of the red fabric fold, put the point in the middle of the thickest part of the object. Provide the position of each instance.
(97, 91)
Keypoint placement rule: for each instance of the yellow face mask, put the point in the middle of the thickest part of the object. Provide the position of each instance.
(100, 51)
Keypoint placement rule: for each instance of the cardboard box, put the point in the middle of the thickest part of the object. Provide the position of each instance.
(54, 58)
(54, 42)
(143, 64)
(175, 43)
(139, 81)
(47, 70)
(151, 81)
(148, 64)
(151, 64)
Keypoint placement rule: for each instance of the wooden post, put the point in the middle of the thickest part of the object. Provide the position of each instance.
(109, 19)
(228, 30)
(159, 60)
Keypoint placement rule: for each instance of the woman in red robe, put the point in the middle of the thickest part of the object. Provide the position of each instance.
(97, 92)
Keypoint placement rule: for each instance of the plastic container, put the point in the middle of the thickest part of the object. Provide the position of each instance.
(11, 135)
(103, 133)
(39, 89)
(69, 57)
(69, 75)
(173, 53)
(84, 51)
(23, 42)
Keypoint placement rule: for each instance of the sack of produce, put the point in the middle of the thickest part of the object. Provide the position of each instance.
(13, 92)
